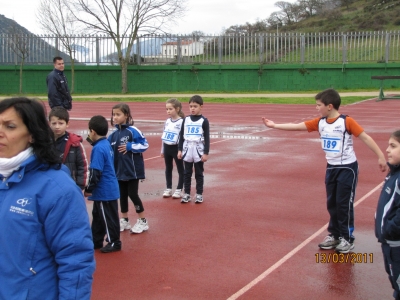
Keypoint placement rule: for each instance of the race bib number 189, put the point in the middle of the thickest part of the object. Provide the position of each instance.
(331, 144)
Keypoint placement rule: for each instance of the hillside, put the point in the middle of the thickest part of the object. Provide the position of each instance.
(8, 25)
(360, 15)
(36, 53)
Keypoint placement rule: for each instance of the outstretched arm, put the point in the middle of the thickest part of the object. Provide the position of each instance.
(375, 148)
(286, 126)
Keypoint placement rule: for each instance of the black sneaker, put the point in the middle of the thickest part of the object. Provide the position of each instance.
(110, 248)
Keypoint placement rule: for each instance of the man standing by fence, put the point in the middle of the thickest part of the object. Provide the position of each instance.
(57, 86)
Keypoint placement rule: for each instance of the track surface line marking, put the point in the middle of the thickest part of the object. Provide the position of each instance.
(292, 253)
(210, 144)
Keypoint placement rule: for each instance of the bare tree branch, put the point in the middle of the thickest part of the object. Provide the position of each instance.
(122, 20)
(55, 17)
(19, 44)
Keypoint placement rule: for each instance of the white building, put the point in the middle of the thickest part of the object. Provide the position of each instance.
(188, 48)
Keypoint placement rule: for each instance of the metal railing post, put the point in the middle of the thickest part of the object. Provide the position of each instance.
(57, 50)
(387, 46)
(97, 51)
(179, 47)
(344, 49)
(219, 49)
(138, 57)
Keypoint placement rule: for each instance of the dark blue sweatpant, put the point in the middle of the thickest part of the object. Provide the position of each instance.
(391, 257)
(340, 183)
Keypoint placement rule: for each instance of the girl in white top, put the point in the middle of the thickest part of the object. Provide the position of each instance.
(169, 148)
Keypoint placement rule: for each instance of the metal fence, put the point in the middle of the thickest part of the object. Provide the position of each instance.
(265, 48)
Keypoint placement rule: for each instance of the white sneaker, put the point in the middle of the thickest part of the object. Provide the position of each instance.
(344, 246)
(124, 225)
(186, 198)
(167, 193)
(140, 226)
(177, 194)
(329, 242)
(199, 198)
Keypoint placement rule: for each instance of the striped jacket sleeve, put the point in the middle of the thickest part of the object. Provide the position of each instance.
(139, 143)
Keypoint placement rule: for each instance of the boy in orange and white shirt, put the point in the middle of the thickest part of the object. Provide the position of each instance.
(341, 177)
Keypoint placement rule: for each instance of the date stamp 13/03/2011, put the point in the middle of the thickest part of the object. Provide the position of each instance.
(342, 258)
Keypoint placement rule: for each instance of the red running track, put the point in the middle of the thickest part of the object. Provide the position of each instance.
(256, 234)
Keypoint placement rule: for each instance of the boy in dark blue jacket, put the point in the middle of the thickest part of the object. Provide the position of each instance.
(103, 188)
(387, 217)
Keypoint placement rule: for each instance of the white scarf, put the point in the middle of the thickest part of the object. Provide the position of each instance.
(9, 165)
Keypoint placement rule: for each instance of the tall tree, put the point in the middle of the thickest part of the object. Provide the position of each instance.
(56, 18)
(286, 12)
(122, 20)
(347, 3)
(311, 7)
(19, 44)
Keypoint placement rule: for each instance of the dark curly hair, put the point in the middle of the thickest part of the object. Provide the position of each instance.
(33, 114)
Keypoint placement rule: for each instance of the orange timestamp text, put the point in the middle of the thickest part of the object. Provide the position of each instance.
(341, 258)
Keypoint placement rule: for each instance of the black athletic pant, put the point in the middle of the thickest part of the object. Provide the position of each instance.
(340, 183)
(170, 155)
(391, 257)
(105, 222)
(130, 188)
(198, 174)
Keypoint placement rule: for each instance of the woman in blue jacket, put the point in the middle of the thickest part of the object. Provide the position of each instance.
(387, 217)
(46, 246)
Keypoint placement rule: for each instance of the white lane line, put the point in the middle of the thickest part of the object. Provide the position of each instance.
(293, 252)
(210, 144)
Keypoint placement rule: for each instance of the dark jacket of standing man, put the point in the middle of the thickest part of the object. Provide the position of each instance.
(57, 86)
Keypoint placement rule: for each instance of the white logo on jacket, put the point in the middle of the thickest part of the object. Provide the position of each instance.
(23, 202)
(124, 140)
(20, 210)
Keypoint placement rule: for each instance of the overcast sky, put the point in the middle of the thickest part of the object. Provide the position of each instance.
(208, 16)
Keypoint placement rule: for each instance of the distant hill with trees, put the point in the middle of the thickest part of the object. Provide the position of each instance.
(327, 16)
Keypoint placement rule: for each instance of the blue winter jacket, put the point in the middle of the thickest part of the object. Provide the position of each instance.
(103, 184)
(131, 164)
(387, 216)
(46, 247)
